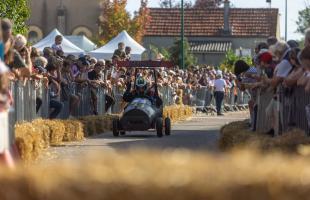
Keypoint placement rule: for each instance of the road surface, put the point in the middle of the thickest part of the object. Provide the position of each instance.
(199, 133)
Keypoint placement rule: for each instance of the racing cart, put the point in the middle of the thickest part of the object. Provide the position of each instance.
(141, 114)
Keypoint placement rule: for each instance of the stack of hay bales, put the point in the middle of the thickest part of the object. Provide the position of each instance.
(32, 138)
(97, 124)
(177, 112)
(238, 135)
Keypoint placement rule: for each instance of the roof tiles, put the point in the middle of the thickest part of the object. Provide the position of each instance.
(244, 22)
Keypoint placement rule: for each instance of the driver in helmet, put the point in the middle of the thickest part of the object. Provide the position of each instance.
(141, 91)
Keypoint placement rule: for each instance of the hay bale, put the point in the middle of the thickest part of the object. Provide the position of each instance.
(73, 131)
(177, 112)
(89, 125)
(57, 129)
(29, 141)
(45, 130)
(237, 135)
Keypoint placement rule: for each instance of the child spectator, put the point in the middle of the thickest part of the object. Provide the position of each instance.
(57, 45)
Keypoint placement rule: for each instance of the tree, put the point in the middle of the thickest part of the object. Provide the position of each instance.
(18, 12)
(207, 3)
(174, 4)
(140, 21)
(303, 21)
(230, 59)
(175, 53)
(115, 18)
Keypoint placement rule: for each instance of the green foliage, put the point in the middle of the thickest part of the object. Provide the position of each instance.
(160, 50)
(231, 58)
(174, 4)
(175, 54)
(18, 11)
(303, 21)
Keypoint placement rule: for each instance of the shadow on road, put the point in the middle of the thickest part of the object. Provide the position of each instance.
(185, 139)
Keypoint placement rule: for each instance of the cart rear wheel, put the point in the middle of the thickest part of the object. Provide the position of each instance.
(159, 127)
(167, 126)
(115, 127)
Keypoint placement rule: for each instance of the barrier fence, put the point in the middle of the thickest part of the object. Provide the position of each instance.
(32, 100)
(290, 108)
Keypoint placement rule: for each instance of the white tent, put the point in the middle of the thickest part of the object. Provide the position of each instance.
(106, 52)
(82, 42)
(67, 46)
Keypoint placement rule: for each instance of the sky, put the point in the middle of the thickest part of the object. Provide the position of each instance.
(293, 7)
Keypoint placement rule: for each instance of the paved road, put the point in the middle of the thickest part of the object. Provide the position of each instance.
(199, 133)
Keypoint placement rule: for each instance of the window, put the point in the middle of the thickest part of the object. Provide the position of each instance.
(81, 30)
(35, 34)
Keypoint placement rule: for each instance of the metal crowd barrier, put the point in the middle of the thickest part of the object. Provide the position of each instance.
(26, 97)
(117, 93)
(166, 95)
(292, 110)
(263, 123)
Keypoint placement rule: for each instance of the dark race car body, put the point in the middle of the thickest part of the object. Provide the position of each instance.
(140, 115)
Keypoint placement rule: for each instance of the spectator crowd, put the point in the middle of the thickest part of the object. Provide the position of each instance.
(279, 68)
(276, 63)
(60, 74)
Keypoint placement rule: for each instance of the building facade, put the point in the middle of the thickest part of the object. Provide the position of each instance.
(70, 17)
(212, 32)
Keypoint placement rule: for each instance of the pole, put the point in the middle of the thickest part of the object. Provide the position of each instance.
(182, 34)
(285, 20)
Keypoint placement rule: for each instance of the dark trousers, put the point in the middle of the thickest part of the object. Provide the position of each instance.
(109, 101)
(56, 106)
(255, 117)
(219, 96)
(38, 104)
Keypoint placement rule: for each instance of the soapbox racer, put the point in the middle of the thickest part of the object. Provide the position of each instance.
(142, 114)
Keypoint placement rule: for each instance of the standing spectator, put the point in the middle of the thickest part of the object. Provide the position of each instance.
(48, 52)
(219, 92)
(271, 41)
(54, 88)
(5, 95)
(11, 57)
(68, 89)
(128, 53)
(57, 45)
(119, 54)
(95, 82)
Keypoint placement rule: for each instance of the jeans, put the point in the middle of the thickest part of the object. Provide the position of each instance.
(109, 101)
(56, 106)
(255, 111)
(38, 104)
(219, 96)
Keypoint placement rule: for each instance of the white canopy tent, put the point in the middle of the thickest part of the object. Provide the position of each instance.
(67, 46)
(106, 52)
(82, 42)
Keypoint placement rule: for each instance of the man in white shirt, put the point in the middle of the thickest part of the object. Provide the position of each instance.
(219, 91)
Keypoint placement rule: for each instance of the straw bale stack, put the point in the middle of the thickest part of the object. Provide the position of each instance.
(238, 135)
(177, 112)
(73, 131)
(45, 131)
(154, 175)
(29, 140)
(58, 129)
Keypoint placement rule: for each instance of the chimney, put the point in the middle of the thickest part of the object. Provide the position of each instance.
(226, 17)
